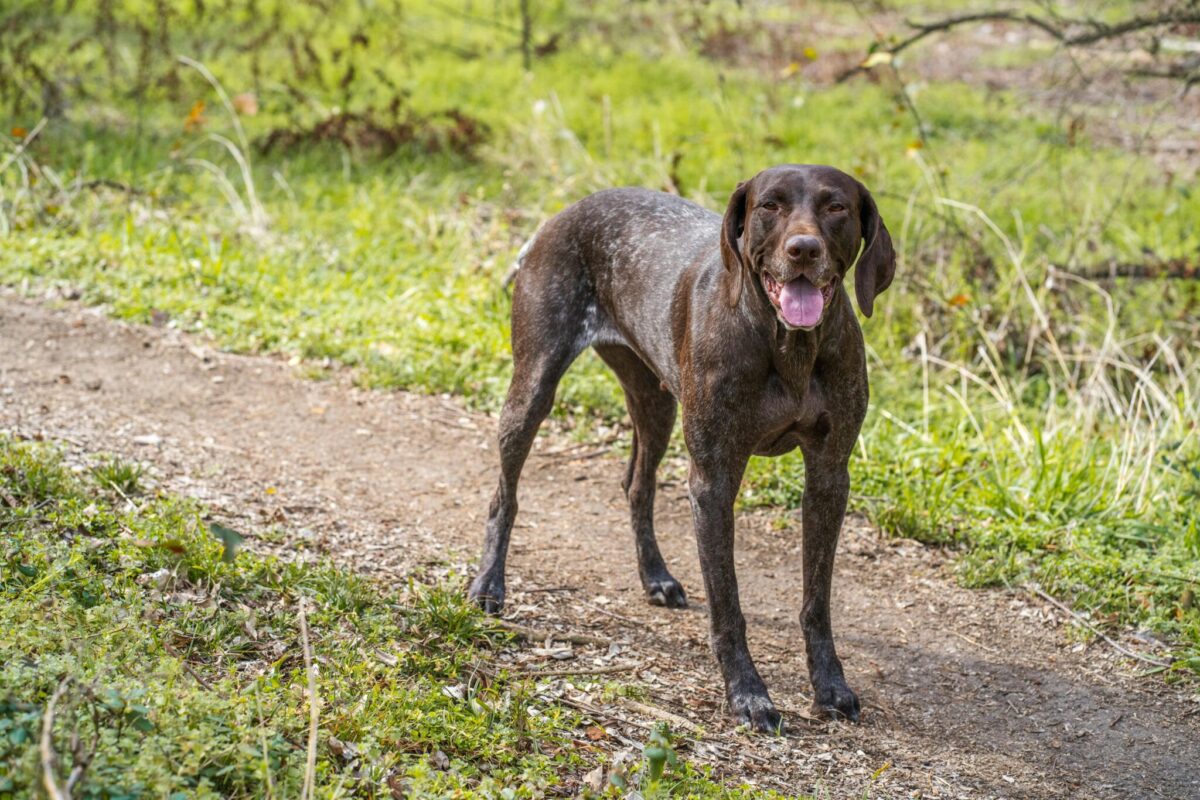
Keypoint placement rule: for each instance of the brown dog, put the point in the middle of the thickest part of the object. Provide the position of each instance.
(744, 322)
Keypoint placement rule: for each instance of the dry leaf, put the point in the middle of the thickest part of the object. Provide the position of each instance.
(195, 117)
(246, 104)
(594, 780)
(875, 59)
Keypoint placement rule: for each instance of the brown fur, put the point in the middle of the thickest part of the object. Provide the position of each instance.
(672, 297)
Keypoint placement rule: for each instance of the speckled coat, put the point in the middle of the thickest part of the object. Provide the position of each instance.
(683, 305)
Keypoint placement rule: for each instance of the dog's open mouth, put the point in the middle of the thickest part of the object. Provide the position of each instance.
(800, 303)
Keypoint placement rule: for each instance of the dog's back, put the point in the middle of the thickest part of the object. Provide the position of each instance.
(635, 243)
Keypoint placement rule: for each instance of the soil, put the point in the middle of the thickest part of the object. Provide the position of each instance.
(965, 693)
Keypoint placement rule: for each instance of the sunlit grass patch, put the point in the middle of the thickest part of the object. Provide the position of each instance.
(177, 666)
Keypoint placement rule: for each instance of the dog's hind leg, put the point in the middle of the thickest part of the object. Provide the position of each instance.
(551, 323)
(652, 410)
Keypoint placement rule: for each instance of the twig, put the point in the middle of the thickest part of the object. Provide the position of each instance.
(1085, 623)
(124, 496)
(188, 668)
(550, 459)
(598, 713)
(1096, 31)
(660, 714)
(980, 645)
(557, 673)
(49, 759)
(109, 632)
(582, 456)
(80, 760)
(536, 635)
(1178, 269)
(25, 142)
(108, 183)
(615, 615)
(457, 425)
(308, 792)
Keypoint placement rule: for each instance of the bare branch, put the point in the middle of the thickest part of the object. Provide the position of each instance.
(1064, 31)
(1033, 587)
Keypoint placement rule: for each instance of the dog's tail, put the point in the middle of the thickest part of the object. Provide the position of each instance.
(515, 268)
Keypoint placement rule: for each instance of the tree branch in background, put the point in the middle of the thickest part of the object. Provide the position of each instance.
(526, 35)
(1067, 32)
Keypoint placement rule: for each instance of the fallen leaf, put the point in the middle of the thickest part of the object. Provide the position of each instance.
(595, 733)
(877, 58)
(398, 785)
(158, 579)
(594, 780)
(195, 117)
(345, 750)
(386, 658)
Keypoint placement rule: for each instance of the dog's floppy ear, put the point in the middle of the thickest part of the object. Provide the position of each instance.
(877, 264)
(731, 231)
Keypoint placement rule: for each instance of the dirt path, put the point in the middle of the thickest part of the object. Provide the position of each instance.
(966, 694)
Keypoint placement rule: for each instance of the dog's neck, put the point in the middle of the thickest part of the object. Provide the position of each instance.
(794, 353)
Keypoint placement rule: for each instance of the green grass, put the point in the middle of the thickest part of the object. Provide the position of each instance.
(1043, 425)
(182, 668)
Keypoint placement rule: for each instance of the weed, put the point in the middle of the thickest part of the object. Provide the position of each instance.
(176, 668)
(123, 477)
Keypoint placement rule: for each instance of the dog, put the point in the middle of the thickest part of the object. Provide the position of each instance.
(743, 321)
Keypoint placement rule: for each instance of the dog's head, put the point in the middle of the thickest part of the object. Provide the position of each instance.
(800, 226)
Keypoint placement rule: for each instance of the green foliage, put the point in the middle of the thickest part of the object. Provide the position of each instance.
(1042, 423)
(123, 477)
(183, 673)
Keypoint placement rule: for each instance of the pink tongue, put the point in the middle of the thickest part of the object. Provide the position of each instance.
(801, 303)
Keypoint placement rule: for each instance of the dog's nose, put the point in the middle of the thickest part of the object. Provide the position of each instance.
(803, 248)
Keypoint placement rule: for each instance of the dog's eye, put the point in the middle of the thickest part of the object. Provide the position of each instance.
(835, 208)
(770, 205)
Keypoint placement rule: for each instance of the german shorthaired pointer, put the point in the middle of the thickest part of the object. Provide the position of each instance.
(745, 323)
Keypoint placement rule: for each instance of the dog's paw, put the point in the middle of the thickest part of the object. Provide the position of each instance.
(487, 594)
(836, 700)
(666, 592)
(757, 711)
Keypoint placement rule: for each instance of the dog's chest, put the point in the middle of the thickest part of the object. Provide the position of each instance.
(787, 421)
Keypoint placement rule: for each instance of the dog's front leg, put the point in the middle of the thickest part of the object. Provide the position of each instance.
(713, 488)
(826, 488)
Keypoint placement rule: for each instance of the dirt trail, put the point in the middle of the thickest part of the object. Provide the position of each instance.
(966, 693)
